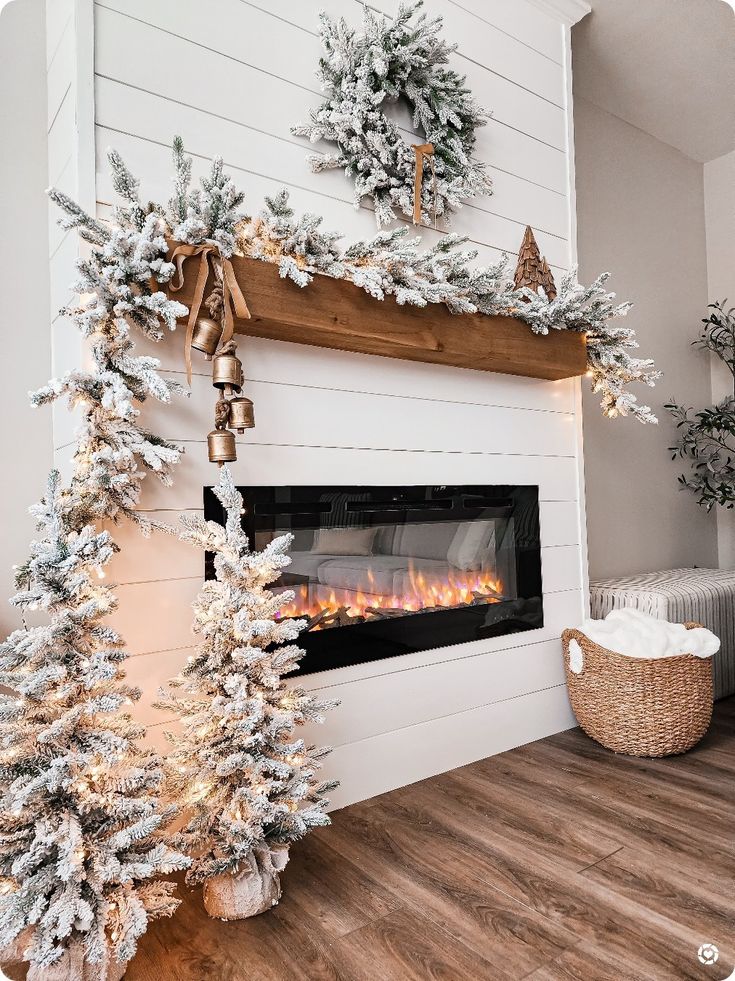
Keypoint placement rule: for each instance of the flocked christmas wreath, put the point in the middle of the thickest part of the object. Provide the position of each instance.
(362, 72)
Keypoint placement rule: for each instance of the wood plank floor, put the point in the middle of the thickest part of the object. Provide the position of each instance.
(551, 862)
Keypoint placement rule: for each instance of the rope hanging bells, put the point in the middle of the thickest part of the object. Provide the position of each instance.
(221, 442)
(221, 446)
(238, 413)
(206, 336)
(227, 369)
(242, 414)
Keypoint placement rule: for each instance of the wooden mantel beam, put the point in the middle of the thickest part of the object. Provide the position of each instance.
(336, 314)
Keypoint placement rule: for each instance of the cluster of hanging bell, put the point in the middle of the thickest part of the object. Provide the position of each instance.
(232, 410)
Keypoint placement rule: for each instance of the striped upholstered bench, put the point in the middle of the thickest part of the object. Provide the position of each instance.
(680, 595)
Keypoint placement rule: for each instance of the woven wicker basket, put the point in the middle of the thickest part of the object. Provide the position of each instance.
(639, 706)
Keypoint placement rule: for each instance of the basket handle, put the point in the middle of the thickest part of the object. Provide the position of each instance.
(576, 656)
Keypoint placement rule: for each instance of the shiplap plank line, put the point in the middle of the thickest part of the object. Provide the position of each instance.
(66, 182)
(60, 73)
(218, 85)
(493, 50)
(287, 363)
(296, 58)
(516, 18)
(61, 137)
(519, 20)
(58, 16)
(292, 415)
(556, 477)
(62, 272)
(422, 750)
(418, 751)
(134, 110)
(151, 160)
(372, 707)
(154, 559)
(413, 696)
(170, 629)
(560, 610)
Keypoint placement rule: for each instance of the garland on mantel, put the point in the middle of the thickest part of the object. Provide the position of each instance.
(392, 264)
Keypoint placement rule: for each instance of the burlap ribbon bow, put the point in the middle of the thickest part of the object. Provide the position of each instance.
(422, 150)
(233, 300)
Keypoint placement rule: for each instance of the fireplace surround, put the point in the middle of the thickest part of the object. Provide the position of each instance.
(380, 571)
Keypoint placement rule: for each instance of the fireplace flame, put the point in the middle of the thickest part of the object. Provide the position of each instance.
(338, 606)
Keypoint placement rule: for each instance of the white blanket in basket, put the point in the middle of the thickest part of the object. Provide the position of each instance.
(637, 634)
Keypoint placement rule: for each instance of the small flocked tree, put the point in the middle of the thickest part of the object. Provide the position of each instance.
(78, 845)
(248, 784)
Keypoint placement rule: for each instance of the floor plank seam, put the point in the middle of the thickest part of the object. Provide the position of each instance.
(603, 859)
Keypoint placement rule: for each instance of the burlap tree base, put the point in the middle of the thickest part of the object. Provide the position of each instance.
(252, 890)
(13, 953)
(73, 967)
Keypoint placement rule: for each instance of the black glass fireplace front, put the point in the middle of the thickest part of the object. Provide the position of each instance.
(382, 571)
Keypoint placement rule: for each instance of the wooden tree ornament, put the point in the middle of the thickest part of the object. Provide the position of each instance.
(533, 270)
(547, 280)
(528, 270)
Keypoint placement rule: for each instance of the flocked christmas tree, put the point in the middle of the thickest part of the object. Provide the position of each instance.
(80, 811)
(79, 804)
(248, 783)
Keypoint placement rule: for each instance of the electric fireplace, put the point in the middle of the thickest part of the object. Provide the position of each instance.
(382, 571)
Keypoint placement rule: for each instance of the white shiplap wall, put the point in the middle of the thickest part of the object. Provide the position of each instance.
(231, 76)
(71, 135)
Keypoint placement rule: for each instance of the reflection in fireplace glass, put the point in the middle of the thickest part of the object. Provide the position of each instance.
(342, 574)
(371, 559)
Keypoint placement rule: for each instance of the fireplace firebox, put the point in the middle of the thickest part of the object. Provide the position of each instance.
(381, 571)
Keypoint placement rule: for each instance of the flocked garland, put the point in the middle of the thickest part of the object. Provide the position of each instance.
(363, 72)
(393, 264)
(81, 821)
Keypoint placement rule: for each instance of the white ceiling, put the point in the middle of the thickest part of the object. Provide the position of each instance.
(666, 66)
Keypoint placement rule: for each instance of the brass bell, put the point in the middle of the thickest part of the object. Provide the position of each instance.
(242, 414)
(227, 371)
(206, 336)
(221, 446)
